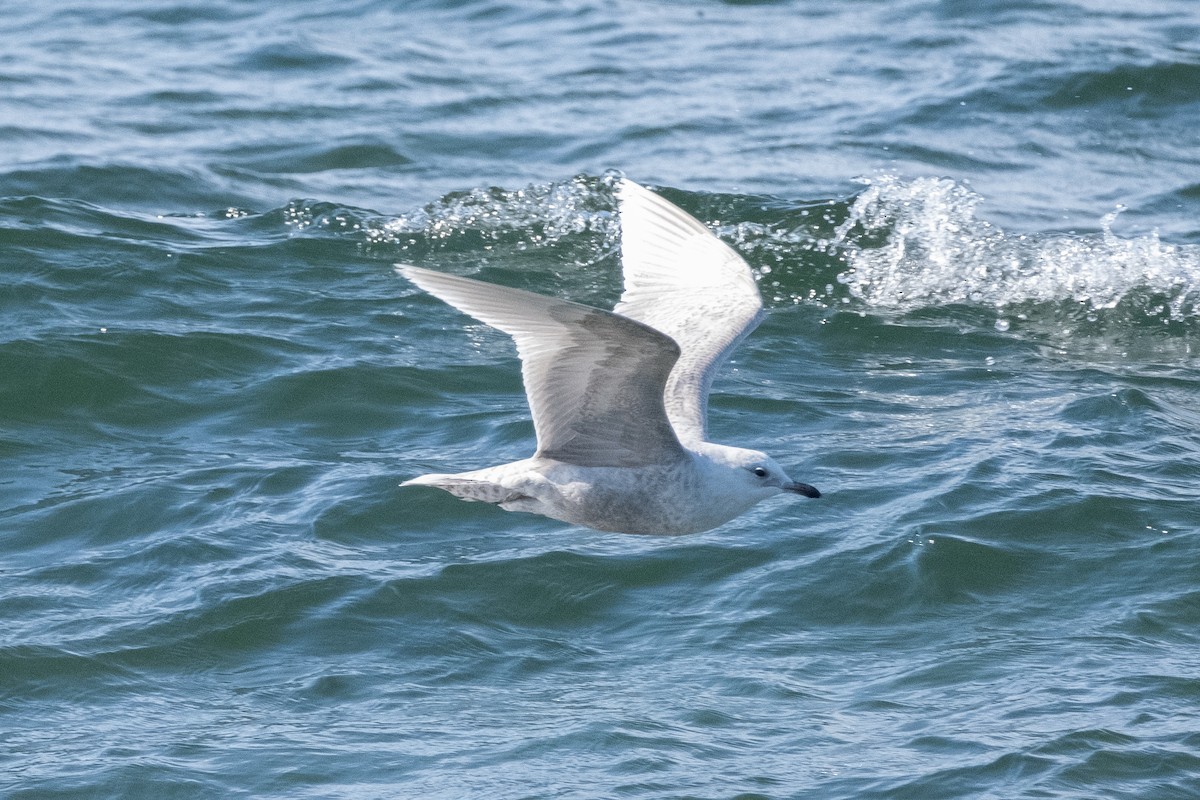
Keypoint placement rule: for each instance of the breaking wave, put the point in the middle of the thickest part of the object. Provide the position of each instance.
(919, 243)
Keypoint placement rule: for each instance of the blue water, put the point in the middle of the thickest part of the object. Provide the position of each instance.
(976, 229)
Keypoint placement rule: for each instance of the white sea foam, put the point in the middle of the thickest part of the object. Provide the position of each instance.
(909, 244)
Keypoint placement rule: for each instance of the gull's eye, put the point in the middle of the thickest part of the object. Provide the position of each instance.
(760, 472)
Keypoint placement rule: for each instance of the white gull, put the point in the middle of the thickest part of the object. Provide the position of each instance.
(619, 398)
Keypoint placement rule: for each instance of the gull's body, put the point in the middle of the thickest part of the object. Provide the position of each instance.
(619, 398)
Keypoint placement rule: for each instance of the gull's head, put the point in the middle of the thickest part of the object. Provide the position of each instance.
(757, 474)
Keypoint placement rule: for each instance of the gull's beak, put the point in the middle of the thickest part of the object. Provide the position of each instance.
(802, 488)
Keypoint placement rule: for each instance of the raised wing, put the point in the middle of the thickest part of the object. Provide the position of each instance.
(594, 379)
(682, 280)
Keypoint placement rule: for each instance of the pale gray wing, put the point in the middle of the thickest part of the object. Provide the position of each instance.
(594, 379)
(684, 281)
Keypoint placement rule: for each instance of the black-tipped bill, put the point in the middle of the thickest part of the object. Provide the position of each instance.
(802, 488)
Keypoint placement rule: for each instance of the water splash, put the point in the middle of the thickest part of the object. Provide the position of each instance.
(573, 219)
(910, 244)
(535, 216)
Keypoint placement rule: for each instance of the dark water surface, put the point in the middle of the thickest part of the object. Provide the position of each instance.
(977, 226)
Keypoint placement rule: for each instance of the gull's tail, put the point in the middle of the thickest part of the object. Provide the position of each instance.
(474, 489)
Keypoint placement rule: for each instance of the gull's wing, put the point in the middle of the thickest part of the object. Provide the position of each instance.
(682, 280)
(594, 379)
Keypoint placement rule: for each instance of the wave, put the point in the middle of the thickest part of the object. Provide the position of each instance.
(911, 244)
(899, 246)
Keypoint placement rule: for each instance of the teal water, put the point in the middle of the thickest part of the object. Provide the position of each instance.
(975, 226)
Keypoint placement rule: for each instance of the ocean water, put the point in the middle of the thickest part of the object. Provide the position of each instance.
(977, 229)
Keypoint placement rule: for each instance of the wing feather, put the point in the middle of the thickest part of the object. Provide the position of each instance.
(594, 379)
(682, 280)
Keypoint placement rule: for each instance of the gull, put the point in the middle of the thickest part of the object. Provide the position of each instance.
(619, 398)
